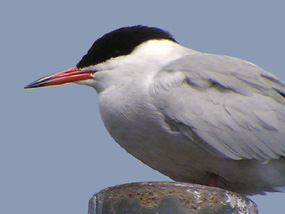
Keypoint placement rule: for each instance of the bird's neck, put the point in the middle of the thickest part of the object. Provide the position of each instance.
(159, 52)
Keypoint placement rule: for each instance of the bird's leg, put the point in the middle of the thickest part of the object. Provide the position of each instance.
(213, 180)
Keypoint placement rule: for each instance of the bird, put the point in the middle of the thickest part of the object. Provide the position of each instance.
(195, 117)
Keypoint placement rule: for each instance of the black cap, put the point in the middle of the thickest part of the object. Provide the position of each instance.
(121, 42)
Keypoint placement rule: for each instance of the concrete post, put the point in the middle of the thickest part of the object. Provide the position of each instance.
(169, 198)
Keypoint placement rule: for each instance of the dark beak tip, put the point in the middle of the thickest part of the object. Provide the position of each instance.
(36, 84)
(28, 86)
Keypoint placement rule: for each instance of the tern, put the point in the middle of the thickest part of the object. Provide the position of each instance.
(195, 117)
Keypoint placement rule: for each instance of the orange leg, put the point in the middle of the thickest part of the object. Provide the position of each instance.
(213, 180)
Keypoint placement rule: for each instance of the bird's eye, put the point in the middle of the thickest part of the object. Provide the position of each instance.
(116, 53)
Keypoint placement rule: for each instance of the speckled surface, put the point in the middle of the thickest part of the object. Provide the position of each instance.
(169, 198)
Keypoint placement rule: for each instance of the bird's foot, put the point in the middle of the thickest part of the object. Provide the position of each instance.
(213, 180)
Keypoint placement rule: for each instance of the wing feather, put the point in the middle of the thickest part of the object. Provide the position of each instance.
(227, 106)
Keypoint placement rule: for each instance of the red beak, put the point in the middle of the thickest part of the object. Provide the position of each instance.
(69, 75)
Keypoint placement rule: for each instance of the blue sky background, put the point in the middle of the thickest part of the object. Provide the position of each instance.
(54, 150)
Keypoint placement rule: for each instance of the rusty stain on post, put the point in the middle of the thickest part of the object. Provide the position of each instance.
(169, 198)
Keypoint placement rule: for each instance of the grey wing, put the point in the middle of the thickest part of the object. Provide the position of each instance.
(225, 105)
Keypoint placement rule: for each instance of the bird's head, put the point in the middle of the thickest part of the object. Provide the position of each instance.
(107, 52)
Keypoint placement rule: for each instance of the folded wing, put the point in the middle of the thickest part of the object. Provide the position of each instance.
(225, 105)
